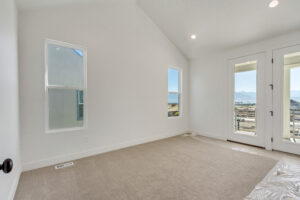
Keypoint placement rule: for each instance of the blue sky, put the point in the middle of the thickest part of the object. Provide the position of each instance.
(245, 81)
(173, 78)
(79, 52)
(295, 78)
(173, 75)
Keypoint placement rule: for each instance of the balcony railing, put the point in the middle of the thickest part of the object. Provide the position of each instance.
(245, 118)
(294, 124)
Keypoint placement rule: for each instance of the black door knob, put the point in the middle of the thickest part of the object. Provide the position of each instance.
(7, 166)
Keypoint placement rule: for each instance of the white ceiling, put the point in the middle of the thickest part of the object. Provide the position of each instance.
(218, 24)
(221, 24)
(34, 4)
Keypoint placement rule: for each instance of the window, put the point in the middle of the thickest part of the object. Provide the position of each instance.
(65, 85)
(173, 92)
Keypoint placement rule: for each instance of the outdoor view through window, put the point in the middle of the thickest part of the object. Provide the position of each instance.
(245, 98)
(173, 92)
(65, 86)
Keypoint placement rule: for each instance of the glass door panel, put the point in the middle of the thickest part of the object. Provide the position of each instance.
(245, 98)
(286, 80)
(291, 97)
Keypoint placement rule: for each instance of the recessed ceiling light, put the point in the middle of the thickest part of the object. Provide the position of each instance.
(273, 3)
(193, 36)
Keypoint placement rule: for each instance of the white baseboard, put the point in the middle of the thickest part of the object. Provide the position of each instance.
(91, 152)
(15, 183)
(210, 135)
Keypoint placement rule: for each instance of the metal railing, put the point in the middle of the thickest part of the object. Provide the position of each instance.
(294, 124)
(245, 118)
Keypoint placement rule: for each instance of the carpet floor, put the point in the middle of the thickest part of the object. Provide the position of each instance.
(177, 168)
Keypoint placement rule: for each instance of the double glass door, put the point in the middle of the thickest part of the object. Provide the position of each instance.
(257, 93)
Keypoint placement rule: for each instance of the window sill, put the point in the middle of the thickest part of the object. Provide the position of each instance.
(175, 117)
(64, 130)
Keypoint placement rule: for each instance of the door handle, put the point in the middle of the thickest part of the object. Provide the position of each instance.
(7, 165)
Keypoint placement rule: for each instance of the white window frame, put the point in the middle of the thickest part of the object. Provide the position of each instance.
(179, 91)
(84, 53)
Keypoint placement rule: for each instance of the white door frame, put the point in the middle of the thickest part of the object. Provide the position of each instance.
(259, 139)
(278, 142)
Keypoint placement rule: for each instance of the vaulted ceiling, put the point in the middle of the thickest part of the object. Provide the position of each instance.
(221, 24)
(218, 24)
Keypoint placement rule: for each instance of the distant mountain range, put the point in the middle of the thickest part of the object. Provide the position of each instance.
(295, 105)
(173, 98)
(295, 95)
(243, 97)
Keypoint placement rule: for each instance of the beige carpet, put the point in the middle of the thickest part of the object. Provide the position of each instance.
(178, 168)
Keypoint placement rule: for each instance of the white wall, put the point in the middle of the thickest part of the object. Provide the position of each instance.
(208, 96)
(9, 109)
(209, 87)
(128, 58)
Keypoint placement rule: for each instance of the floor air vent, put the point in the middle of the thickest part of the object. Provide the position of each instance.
(64, 165)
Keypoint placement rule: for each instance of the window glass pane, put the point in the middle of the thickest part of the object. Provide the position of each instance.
(291, 97)
(245, 98)
(173, 105)
(173, 80)
(65, 66)
(79, 105)
(65, 111)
